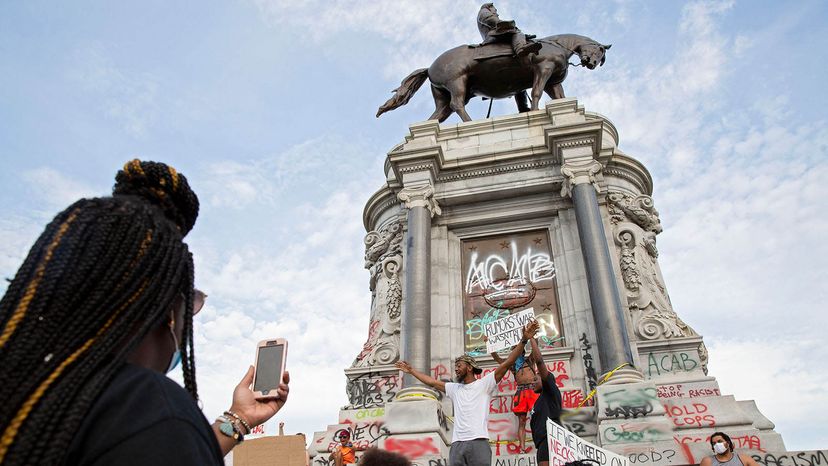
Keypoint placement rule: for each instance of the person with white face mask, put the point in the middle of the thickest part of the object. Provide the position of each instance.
(723, 453)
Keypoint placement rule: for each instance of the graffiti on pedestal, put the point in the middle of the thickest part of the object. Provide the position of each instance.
(412, 448)
(688, 390)
(506, 274)
(794, 458)
(632, 432)
(671, 363)
(690, 414)
(592, 377)
(629, 402)
(368, 392)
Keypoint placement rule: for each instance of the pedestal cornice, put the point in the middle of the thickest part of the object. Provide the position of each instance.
(378, 204)
(619, 165)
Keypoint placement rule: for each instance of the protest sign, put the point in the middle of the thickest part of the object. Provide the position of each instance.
(564, 447)
(507, 331)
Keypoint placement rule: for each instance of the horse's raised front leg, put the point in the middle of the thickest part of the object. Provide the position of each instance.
(442, 102)
(542, 75)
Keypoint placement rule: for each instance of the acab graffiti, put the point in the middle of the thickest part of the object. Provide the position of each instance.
(493, 273)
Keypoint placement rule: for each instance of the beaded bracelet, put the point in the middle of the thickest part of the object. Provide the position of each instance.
(238, 418)
(230, 428)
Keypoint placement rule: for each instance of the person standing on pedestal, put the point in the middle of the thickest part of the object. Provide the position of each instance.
(524, 398)
(724, 455)
(547, 406)
(470, 400)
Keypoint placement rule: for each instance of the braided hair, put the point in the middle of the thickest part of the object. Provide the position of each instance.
(103, 274)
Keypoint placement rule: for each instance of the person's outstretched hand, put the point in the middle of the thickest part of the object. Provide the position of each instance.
(255, 411)
(530, 329)
(403, 366)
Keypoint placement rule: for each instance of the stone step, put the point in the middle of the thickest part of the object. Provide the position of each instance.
(690, 447)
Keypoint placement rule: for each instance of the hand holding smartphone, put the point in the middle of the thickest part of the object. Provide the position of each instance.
(269, 368)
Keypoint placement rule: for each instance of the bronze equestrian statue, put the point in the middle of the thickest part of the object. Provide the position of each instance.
(498, 68)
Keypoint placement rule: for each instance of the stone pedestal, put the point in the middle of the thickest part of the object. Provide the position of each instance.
(417, 425)
(541, 210)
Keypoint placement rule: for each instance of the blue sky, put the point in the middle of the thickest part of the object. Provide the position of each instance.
(268, 107)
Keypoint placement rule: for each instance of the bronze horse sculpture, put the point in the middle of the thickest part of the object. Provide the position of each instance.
(493, 71)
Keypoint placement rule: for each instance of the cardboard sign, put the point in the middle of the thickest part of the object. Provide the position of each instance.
(507, 332)
(288, 450)
(564, 446)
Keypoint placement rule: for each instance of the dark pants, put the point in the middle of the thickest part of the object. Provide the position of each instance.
(475, 452)
(542, 451)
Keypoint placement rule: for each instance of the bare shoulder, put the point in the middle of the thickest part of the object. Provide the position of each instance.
(705, 461)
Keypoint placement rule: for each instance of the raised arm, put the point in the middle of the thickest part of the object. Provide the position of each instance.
(494, 354)
(424, 378)
(538, 358)
(528, 334)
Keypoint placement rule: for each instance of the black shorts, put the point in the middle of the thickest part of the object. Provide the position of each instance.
(542, 451)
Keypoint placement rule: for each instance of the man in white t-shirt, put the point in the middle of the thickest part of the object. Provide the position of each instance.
(470, 399)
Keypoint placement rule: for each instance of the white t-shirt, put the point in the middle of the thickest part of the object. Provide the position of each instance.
(471, 407)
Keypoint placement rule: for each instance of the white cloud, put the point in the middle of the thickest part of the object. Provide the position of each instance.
(130, 98)
(781, 378)
(413, 33)
(312, 291)
(271, 180)
(56, 189)
(17, 235)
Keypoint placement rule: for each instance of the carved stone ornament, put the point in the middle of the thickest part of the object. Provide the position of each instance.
(422, 196)
(577, 171)
(639, 210)
(383, 259)
(704, 356)
(652, 313)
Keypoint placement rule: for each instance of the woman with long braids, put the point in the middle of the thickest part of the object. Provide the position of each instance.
(100, 310)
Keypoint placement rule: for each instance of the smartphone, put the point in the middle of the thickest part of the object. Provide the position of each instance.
(269, 368)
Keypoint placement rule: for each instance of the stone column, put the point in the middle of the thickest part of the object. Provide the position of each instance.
(580, 183)
(416, 319)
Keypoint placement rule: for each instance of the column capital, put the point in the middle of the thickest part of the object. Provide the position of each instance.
(420, 196)
(580, 170)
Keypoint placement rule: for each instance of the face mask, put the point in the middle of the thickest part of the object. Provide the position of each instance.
(719, 448)
(175, 359)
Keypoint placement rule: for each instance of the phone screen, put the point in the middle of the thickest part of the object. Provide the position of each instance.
(268, 368)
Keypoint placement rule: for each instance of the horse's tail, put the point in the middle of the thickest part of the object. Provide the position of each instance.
(407, 88)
